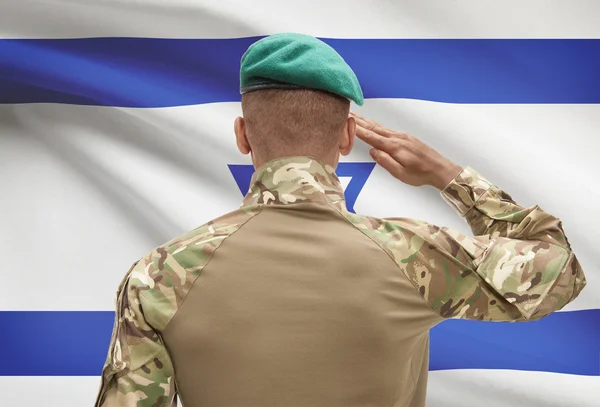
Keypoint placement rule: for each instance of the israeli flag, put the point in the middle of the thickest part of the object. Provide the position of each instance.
(116, 121)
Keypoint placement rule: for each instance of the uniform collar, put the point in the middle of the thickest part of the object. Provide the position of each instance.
(295, 179)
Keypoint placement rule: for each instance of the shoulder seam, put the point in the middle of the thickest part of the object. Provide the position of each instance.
(260, 207)
(393, 260)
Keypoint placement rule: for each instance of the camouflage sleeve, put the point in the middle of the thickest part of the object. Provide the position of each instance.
(521, 254)
(138, 371)
(519, 266)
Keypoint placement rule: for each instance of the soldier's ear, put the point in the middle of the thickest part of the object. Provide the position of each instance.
(347, 138)
(241, 138)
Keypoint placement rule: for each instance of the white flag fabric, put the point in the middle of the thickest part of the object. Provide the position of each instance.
(116, 135)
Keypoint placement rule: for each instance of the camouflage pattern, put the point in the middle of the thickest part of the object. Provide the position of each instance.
(519, 266)
(295, 179)
(138, 370)
(502, 216)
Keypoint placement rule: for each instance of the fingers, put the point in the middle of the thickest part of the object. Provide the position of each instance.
(387, 162)
(373, 126)
(370, 125)
(374, 139)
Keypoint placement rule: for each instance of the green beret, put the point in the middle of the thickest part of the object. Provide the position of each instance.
(296, 61)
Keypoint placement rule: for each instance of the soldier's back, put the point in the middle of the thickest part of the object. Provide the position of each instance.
(291, 300)
(298, 307)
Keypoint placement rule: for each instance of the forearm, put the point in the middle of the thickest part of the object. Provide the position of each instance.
(490, 211)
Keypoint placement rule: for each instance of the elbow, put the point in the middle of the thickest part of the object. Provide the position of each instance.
(571, 282)
(566, 288)
(577, 279)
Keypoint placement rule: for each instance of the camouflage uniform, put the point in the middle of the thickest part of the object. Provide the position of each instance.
(307, 304)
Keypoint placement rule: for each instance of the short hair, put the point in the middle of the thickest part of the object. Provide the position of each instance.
(287, 122)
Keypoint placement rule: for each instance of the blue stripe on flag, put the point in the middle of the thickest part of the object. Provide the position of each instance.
(149, 72)
(75, 343)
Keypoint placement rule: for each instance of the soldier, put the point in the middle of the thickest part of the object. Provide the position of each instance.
(292, 300)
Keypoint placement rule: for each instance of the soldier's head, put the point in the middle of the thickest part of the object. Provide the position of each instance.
(292, 122)
(296, 92)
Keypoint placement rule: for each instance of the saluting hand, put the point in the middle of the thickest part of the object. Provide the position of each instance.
(404, 156)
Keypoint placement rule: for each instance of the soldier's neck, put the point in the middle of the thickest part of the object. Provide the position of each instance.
(329, 159)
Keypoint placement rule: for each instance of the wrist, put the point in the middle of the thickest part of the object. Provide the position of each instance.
(445, 175)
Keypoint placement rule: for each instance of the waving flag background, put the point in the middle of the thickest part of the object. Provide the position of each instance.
(116, 135)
